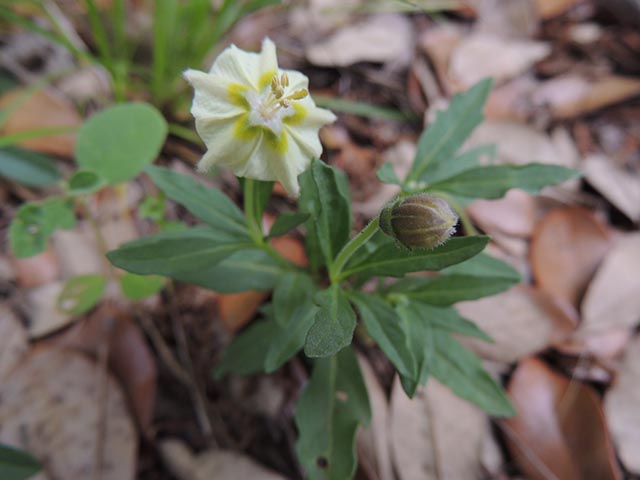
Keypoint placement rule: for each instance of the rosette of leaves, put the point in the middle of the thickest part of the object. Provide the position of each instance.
(314, 311)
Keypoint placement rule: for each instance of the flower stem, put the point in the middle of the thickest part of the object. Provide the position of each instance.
(255, 224)
(335, 269)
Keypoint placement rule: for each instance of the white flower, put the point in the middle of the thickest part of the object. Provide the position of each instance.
(255, 118)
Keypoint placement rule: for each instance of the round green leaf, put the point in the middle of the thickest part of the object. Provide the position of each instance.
(81, 293)
(139, 287)
(84, 182)
(119, 141)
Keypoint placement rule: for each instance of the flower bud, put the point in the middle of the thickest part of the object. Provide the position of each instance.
(418, 221)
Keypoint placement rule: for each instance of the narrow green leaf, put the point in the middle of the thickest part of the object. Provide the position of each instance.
(293, 292)
(16, 464)
(484, 265)
(290, 338)
(261, 194)
(329, 411)
(359, 108)
(462, 371)
(119, 141)
(420, 334)
(494, 181)
(247, 352)
(465, 161)
(208, 204)
(139, 287)
(84, 182)
(81, 293)
(333, 326)
(287, 222)
(385, 326)
(447, 319)
(392, 261)
(28, 168)
(241, 271)
(386, 174)
(451, 128)
(449, 289)
(325, 197)
(173, 252)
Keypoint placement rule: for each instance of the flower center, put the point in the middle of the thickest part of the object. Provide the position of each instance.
(269, 108)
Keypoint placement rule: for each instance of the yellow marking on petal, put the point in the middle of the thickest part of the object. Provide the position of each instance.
(297, 117)
(265, 79)
(243, 131)
(237, 96)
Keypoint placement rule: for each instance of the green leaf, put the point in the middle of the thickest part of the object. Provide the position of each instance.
(359, 108)
(385, 326)
(28, 168)
(81, 293)
(16, 464)
(329, 411)
(386, 174)
(208, 204)
(420, 334)
(153, 208)
(494, 181)
(484, 265)
(139, 287)
(465, 161)
(392, 261)
(243, 270)
(325, 197)
(462, 371)
(173, 252)
(333, 326)
(35, 223)
(287, 222)
(451, 128)
(448, 319)
(260, 195)
(119, 141)
(449, 289)
(85, 182)
(247, 352)
(293, 291)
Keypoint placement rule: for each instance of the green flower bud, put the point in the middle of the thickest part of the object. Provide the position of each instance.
(418, 221)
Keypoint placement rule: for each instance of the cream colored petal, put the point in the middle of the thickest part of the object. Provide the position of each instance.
(246, 68)
(297, 80)
(222, 147)
(211, 97)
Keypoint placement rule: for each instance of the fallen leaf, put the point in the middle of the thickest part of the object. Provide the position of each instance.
(383, 38)
(373, 443)
(621, 407)
(13, 341)
(605, 346)
(620, 187)
(211, 464)
(35, 271)
(41, 109)
(482, 55)
(60, 407)
(552, 8)
(514, 214)
(435, 435)
(612, 300)
(439, 42)
(521, 321)
(237, 309)
(291, 248)
(559, 431)
(40, 308)
(566, 248)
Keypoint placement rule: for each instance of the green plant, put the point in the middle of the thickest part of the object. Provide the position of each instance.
(16, 464)
(316, 309)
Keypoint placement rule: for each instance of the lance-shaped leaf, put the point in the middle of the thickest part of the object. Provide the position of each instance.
(329, 411)
(16, 464)
(484, 265)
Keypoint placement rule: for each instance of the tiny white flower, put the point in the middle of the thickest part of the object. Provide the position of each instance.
(255, 118)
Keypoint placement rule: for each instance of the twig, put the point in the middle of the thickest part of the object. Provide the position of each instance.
(102, 401)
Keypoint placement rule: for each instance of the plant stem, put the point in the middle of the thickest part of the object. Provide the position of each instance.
(335, 269)
(184, 133)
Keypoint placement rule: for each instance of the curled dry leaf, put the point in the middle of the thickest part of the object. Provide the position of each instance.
(373, 443)
(612, 300)
(13, 341)
(211, 464)
(559, 431)
(514, 214)
(383, 38)
(620, 187)
(521, 321)
(435, 435)
(567, 246)
(621, 408)
(62, 408)
(41, 110)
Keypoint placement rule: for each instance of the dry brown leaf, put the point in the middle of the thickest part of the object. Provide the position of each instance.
(61, 407)
(521, 321)
(373, 442)
(621, 407)
(38, 270)
(612, 300)
(237, 309)
(559, 431)
(514, 214)
(40, 307)
(620, 187)
(435, 435)
(211, 464)
(13, 341)
(484, 55)
(42, 110)
(552, 8)
(439, 42)
(383, 38)
(566, 248)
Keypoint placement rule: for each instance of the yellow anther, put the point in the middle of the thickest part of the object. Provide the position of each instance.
(284, 79)
(285, 102)
(274, 82)
(299, 94)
